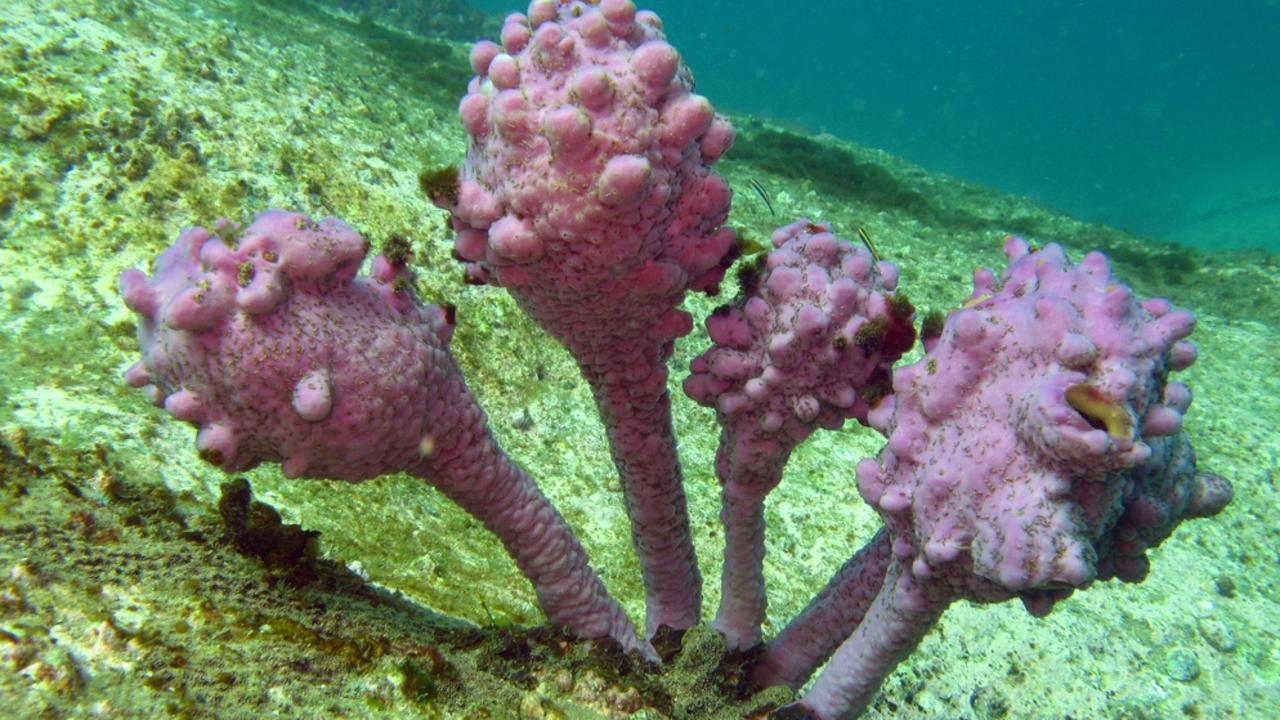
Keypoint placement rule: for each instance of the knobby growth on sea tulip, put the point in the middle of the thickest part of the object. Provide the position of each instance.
(1035, 448)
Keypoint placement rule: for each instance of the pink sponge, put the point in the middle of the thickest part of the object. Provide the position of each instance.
(588, 170)
(1050, 378)
(279, 352)
(588, 194)
(817, 328)
(810, 343)
(1016, 446)
(269, 341)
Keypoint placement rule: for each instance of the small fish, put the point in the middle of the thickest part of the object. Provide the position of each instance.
(752, 245)
(755, 185)
(866, 240)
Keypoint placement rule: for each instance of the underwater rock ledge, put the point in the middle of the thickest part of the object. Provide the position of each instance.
(124, 120)
(127, 600)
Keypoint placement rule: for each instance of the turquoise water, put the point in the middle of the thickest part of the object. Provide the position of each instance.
(1162, 118)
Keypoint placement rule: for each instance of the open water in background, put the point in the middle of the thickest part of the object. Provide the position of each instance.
(1158, 116)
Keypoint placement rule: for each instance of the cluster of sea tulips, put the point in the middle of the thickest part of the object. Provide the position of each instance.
(1036, 447)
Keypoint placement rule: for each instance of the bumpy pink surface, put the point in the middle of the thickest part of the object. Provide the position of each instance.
(800, 351)
(988, 462)
(815, 331)
(1011, 454)
(588, 175)
(588, 194)
(274, 346)
(279, 352)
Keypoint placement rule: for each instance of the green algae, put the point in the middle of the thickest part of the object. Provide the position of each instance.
(122, 597)
(123, 122)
